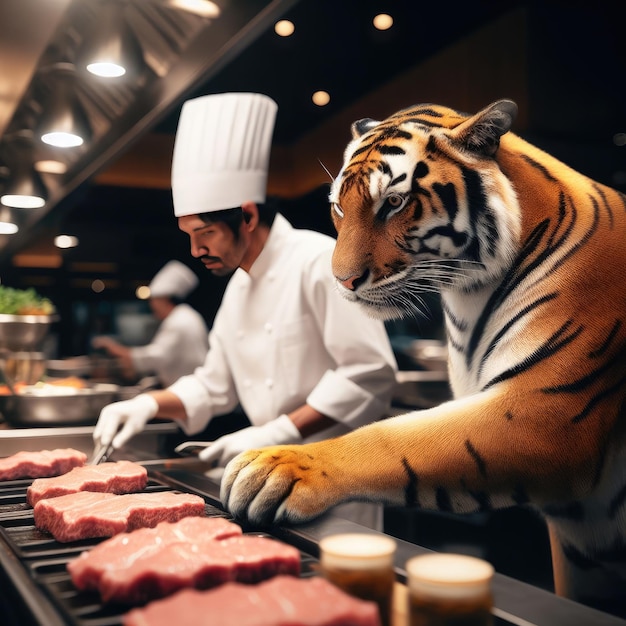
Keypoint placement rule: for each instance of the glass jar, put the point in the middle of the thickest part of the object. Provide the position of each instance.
(362, 565)
(449, 590)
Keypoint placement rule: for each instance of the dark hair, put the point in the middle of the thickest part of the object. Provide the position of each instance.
(233, 218)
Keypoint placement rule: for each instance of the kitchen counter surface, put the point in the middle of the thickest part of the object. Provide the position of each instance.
(144, 445)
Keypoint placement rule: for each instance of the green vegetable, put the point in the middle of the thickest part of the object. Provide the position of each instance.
(24, 302)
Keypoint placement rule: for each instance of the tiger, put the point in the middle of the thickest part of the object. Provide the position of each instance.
(527, 255)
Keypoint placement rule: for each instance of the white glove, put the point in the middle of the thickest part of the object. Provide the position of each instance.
(134, 414)
(279, 431)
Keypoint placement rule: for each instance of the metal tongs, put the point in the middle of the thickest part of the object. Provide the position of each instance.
(191, 448)
(101, 453)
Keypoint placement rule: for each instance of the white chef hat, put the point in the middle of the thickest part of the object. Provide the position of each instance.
(173, 279)
(221, 152)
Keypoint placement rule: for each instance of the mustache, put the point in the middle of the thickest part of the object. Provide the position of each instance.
(210, 259)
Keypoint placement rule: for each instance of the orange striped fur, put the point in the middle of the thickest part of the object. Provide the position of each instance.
(529, 258)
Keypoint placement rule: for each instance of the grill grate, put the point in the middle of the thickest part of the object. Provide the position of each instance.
(45, 560)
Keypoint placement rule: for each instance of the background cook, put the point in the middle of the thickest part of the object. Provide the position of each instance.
(303, 363)
(182, 338)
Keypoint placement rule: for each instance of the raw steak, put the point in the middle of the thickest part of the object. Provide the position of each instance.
(199, 564)
(88, 514)
(121, 552)
(281, 601)
(120, 477)
(41, 463)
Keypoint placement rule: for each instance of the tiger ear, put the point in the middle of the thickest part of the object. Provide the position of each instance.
(360, 127)
(481, 133)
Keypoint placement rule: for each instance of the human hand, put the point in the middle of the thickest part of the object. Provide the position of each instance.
(133, 414)
(279, 431)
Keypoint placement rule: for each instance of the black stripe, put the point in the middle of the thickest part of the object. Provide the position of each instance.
(583, 382)
(617, 502)
(443, 500)
(597, 399)
(498, 337)
(520, 496)
(539, 167)
(506, 286)
(448, 197)
(574, 511)
(457, 238)
(607, 342)
(607, 206)
(453, 319)
(547, 350)
(410, 490)
(480, 462)
(393, 150)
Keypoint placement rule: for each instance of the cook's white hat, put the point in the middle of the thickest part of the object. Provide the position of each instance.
(221, 152)
(173, 279)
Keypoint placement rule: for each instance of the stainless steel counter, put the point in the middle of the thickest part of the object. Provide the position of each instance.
(144, 445)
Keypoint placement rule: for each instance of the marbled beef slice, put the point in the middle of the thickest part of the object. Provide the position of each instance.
(120, 477)
(121, 551)
(200, 564)
(87, 514)
(41, 463)
(280, 601)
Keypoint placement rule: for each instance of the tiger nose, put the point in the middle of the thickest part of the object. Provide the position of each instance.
(353, 282)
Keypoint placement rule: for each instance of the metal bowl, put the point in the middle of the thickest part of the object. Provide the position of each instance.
(24, 332)
(40, 406)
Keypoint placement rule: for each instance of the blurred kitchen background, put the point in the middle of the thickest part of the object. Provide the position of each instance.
(106, 224)
(100, 224)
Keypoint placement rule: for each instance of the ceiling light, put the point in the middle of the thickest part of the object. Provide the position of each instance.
(24, 188)
(321, 98)
(113, 50)
(8, 228)
(284, 28)
(65, 241)
(143, 292)
(63, 123)
(203, 8)
(383, 21)
(7, 225)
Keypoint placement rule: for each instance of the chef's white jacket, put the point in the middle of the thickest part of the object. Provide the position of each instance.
(283, 337)
(177, 348)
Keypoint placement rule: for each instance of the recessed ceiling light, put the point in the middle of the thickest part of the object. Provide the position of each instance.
(62, 140)
(143, 292)
(19, 201)
(106, 70)
(203, 8)
(65, 241)
(284, 28)
(321, 98)
(97, 286)
(8, 228)
(383, 21)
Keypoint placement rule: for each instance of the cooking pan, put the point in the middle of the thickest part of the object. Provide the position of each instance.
(40, 406)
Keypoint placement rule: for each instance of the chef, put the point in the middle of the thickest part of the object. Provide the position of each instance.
(303, 363)
(182, 338)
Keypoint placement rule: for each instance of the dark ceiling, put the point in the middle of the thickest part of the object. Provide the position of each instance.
(572, 84)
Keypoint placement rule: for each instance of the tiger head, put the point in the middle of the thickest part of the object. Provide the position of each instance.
(420, 204)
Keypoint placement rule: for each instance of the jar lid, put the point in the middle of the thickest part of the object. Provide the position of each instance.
(357, 551)
(449, 575)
